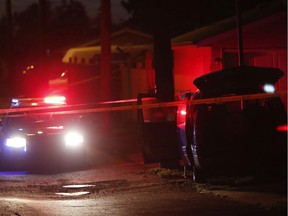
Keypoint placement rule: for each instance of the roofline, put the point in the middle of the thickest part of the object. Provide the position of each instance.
(265, 10)
(247, 27)
(74, 55)
(116, 33)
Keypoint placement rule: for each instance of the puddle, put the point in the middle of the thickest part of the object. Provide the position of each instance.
(80, 193)
(83, 189)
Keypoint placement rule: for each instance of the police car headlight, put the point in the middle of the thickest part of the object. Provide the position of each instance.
(73, 139)
(16, 142)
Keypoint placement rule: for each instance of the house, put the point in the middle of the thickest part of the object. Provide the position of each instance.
(198, 52)
(131, 65)
(131, 56)
(264, 32)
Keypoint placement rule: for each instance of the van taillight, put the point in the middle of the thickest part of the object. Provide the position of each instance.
(282, 128)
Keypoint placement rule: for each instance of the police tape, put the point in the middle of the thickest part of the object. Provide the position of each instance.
(76, 109)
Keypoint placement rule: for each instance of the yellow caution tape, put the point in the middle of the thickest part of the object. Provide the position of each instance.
(77, 108)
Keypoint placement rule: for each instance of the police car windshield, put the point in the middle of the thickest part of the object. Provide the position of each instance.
(24, 119)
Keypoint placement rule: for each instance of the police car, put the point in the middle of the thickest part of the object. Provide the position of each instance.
(32, 133)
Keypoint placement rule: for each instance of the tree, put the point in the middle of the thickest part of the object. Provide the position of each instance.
(63, 25)
(162, 55)
(69, 23)
(154, 16)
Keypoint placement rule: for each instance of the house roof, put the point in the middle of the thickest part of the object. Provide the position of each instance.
(262, 11)
(125, 36)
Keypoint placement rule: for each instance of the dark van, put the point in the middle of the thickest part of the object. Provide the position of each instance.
(242, 137)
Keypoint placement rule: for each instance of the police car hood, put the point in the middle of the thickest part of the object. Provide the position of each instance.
(37, 126)
(237, 79)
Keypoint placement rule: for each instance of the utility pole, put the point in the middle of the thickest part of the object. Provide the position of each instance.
(105, 56)
(239, 33)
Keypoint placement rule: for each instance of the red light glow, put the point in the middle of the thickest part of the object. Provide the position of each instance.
(282, 128)
(159, 115)
(183, 112)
